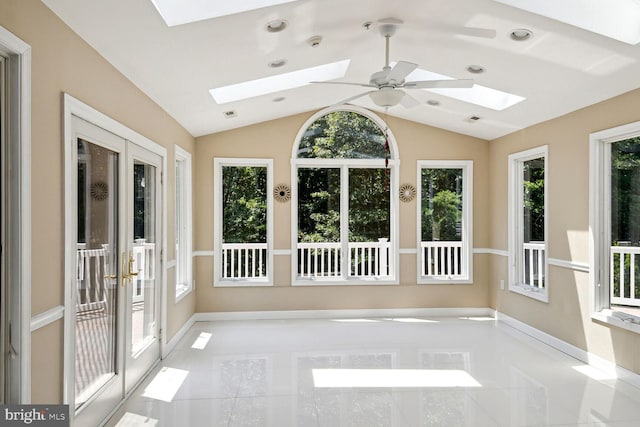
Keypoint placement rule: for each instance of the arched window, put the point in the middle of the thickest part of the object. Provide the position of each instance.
(343, 216)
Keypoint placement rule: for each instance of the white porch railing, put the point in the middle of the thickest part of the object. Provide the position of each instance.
(324, 259)
(95, 273)
(144, 263)
(93, 269)
(441, 259)
(623, 287)
(319, 259)
(244, 261)
(533, 264)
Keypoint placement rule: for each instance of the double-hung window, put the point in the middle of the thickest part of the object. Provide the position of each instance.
(445, 221)
(243, 222)
(343, 215)
(528, 223)
(615, 225)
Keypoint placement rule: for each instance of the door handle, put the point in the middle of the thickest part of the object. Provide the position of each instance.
(131, 273)
(127, 268)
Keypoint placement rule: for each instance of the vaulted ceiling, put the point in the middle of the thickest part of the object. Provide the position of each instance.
(558, 69)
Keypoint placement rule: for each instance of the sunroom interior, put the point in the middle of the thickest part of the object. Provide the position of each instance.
(524, 212)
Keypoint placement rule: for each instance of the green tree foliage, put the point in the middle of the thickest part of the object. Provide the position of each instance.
(244, 204)
(441, 204)
(625, 191)
(369, 207)
(534, 200)
(343, 135)
(319, 205)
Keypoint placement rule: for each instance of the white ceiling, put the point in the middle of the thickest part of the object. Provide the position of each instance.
(561, 69)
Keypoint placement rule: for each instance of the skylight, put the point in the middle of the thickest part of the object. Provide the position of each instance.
(178, 12)
(478, 95)
(616, 19)
(279, 82)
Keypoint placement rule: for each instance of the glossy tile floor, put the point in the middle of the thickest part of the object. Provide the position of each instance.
(374, 372)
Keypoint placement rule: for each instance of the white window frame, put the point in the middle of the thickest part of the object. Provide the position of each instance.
(183, 223)
(467, 220)
(344, 165)
(516, 206)
(599, 225)
(218, 164)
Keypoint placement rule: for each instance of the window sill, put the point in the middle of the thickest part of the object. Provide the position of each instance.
(323, 281)
(444, 281)
(182, 294)
(531, 292)
(618, 319)
(241, 283)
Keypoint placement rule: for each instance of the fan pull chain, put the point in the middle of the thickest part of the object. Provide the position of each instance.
(387, 149)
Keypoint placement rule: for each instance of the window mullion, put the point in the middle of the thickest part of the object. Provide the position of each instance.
(344, 220)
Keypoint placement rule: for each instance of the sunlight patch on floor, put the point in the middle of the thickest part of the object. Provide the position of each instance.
(165, 385)
(134, 420)
(201, 342)
(392, 378)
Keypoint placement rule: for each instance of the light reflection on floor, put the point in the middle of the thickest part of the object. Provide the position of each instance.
(260, 373)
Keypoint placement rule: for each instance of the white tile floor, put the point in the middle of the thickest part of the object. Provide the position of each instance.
(259, 373)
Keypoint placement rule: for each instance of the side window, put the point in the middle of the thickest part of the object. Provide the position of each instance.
(183, 223)
(445, 221)
(242, 210)
(527, 223)
(615, 225)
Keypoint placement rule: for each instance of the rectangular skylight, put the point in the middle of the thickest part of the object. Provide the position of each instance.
(616, 19)
(479, 95)
(279, 82)
(178, 12)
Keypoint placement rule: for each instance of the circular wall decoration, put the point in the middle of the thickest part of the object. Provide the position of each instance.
(282, 193)
(407, 192)
(99, 190)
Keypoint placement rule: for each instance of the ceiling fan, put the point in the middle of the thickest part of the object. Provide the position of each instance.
(388, 84)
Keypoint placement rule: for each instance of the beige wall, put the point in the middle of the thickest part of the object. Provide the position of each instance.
(275, 140)
(567, 315)
(62, 62)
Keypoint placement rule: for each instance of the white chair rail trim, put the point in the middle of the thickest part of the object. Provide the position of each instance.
(47, 317)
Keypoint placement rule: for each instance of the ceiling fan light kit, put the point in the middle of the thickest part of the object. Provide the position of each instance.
(387, 84)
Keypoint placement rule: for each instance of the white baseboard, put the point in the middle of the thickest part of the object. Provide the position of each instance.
(169, 346)
(343, 314)
(584, 356)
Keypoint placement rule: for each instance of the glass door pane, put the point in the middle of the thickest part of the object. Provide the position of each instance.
(143, 255)
(97, 269)
(143, 272)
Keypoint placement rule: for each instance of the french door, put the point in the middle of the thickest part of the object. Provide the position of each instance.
(116, 291)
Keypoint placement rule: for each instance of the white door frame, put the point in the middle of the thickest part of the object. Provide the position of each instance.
(18, 151)
(79, 109)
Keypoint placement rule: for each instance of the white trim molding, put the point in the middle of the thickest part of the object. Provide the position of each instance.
(345, 314)
(571, 265)
(19, 189)
(45, 318)
(491, 251)
(584, 356)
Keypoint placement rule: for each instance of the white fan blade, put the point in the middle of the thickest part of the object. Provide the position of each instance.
(352, 98)
(345, 83)
(409, 101)
(439, 84)
(401, 70)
